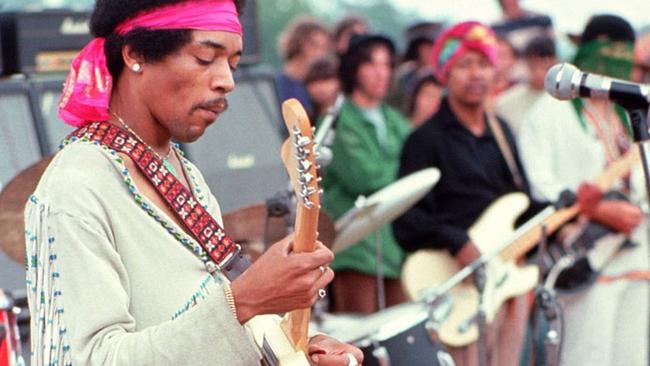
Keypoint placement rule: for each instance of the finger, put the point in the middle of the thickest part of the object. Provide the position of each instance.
(331, 360)
(312, 260)
(356, 353)
(320, 271)
(323, 280)
(321, 256)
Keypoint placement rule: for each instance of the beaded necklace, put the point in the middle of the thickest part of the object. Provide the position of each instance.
(164, 159)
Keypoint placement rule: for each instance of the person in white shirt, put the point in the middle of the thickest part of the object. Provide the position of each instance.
(564, 145)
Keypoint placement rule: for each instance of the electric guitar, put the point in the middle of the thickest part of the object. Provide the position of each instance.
(505, 279)
(283, 341)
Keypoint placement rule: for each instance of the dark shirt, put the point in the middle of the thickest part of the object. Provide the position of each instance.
(473, 174)
(521, 31)
(288, 87)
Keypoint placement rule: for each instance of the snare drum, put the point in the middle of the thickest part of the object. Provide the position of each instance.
(399, 335)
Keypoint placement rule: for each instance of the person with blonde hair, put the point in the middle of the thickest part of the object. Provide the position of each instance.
(302, 42)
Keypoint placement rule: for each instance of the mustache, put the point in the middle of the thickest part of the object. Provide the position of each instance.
(220, 103)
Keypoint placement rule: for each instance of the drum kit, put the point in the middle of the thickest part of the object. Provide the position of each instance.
(399, 335)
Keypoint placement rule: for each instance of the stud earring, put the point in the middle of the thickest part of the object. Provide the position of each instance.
(136, 67)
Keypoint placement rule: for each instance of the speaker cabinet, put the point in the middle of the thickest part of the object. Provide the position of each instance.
(239, 155)
(45, 92)
(19, 141)
(251, 52)
(43, 41)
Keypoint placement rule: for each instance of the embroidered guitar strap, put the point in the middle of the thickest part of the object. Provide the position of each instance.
(224, 253)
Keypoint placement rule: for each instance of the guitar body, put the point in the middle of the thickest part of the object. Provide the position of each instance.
(273, 343)
(427, 268)
(590, 253)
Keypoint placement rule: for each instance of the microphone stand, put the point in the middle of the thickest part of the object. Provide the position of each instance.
(480, 279)
(640, 123)
(546, 302)
(434, 297)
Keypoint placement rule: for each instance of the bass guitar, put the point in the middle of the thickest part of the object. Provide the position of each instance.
(283, 341)
(505, 279)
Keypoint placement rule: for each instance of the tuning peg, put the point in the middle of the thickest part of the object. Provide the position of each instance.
(305, 165)
(303, 141)
(306, 178)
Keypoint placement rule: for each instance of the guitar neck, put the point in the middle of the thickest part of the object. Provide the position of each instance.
(617, 169)
(528, 240)
(296, 322)
(604, 181)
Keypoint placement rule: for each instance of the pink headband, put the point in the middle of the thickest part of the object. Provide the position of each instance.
(457, 40)
(87, 90)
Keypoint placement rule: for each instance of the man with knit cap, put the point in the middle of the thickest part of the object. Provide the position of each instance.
(564, 145)
(460, 142)
(128, 262)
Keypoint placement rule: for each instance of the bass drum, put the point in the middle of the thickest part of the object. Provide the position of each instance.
(399, 335)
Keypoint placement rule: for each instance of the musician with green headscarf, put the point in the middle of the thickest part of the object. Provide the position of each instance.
(563, 146)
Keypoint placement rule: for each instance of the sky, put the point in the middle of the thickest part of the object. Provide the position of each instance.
(568, 15)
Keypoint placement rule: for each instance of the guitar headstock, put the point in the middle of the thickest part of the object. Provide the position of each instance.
(299, 154)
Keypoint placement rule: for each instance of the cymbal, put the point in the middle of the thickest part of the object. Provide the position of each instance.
(246, 227)
(382, 207)
(12, 206)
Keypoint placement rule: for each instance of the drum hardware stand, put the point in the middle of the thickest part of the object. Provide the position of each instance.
(380, 353)
(379, 260)
(433, 325)
(278, 206)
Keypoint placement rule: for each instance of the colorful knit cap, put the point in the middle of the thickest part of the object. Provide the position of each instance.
(457, 40)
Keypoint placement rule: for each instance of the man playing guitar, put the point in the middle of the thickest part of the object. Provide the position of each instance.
(128, 263)
(461, 141)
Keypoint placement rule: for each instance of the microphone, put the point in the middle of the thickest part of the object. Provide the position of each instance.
(325, 134)
(565, 82)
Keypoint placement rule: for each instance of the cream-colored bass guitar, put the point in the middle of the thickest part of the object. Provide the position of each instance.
(426, 269)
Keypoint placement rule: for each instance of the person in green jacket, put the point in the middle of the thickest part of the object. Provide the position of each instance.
(366, 150)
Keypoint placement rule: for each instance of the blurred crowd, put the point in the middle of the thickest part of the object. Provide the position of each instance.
(311, 51)
(452, 75)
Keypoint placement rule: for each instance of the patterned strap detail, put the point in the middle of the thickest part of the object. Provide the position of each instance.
(205, 229)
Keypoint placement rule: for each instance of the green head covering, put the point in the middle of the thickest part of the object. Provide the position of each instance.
(609, 58)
